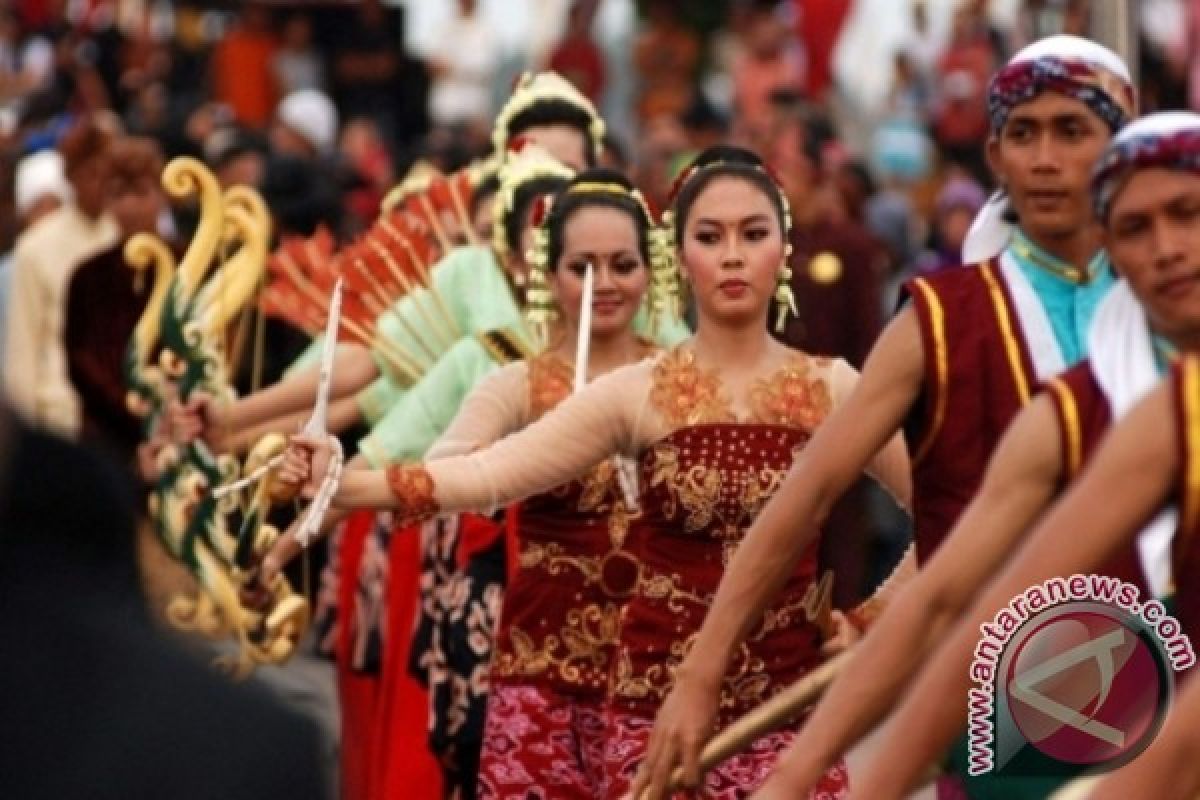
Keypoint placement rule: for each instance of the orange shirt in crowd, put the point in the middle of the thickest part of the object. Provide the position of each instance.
(242, 76)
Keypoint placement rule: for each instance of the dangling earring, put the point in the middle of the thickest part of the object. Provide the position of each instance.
(785, 298)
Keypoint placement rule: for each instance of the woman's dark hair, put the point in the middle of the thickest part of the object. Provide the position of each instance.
(724, 161)
(522, 202)
(486, 188)
(568, 202)
(554, 111)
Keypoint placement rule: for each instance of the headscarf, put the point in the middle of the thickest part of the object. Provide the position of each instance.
(1169, 139)
(1070, 66)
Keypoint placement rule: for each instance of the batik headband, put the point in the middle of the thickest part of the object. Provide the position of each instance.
(1104, 92)
(1170, 140)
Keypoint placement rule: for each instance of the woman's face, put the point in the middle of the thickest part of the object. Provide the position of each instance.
(608, 239)
(731, 251)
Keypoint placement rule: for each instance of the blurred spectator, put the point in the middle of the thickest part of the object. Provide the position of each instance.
(961, 123)
(885, 210)
(820, 23)
(1192, 49)
(663, 148)
(306, 125)
(957, 204)
(44, 259)
(26, 62)
(838, 268)
(40, 187)
(923, 46)
(243, 78)
(462, 65)
(900, 147)
(301, 195)
(577, 57)
(298, 65)
(666, 55)
(364, 154)
(768, 63)
(105, 300)
(236, 155)
(367, 70)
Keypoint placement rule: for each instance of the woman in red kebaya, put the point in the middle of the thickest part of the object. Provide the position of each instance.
(714, 425)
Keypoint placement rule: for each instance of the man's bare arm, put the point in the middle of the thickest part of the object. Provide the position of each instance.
(1021, 481)
(1126, 483)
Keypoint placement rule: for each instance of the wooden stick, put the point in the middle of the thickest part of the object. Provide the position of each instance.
(446, 338)
(423, 273)
(432, 218)
(433, 351)
(385, 348)
(464, 217)
(771, 715)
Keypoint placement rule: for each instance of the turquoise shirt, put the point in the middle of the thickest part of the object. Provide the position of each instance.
(1069, 305)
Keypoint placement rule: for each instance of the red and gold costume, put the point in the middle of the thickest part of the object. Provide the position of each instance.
(711, 456)
(554, 645)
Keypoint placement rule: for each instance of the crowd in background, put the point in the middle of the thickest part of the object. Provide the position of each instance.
(871, 112)
(327, 105)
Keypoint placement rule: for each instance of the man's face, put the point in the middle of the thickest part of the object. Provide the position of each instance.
(45, 204)
(136, 204)
(1153, 237)
(791, 163)
(563, 142)
(286, 141)
(88, 179)
(1044, 157)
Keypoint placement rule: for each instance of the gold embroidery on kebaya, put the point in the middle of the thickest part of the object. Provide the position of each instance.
(697, 489)
(746, 685)
(579, 651)
(551, 380)
(584, 642)
(655, 681)
(685, 394)
(791, 396)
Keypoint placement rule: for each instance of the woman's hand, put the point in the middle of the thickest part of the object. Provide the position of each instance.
(845, 634)
(185, 422)
(684, 724)
(305, 463)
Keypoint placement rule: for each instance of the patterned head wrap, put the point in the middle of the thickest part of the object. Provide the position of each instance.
(1070, 66)
(1170, 140)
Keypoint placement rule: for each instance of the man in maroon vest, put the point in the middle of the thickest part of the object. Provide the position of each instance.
(954, 367)
(1149, 179)
(1149, 464)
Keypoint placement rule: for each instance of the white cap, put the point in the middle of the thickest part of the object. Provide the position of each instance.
(311, 114)
(37, 175)
(1075, 47)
